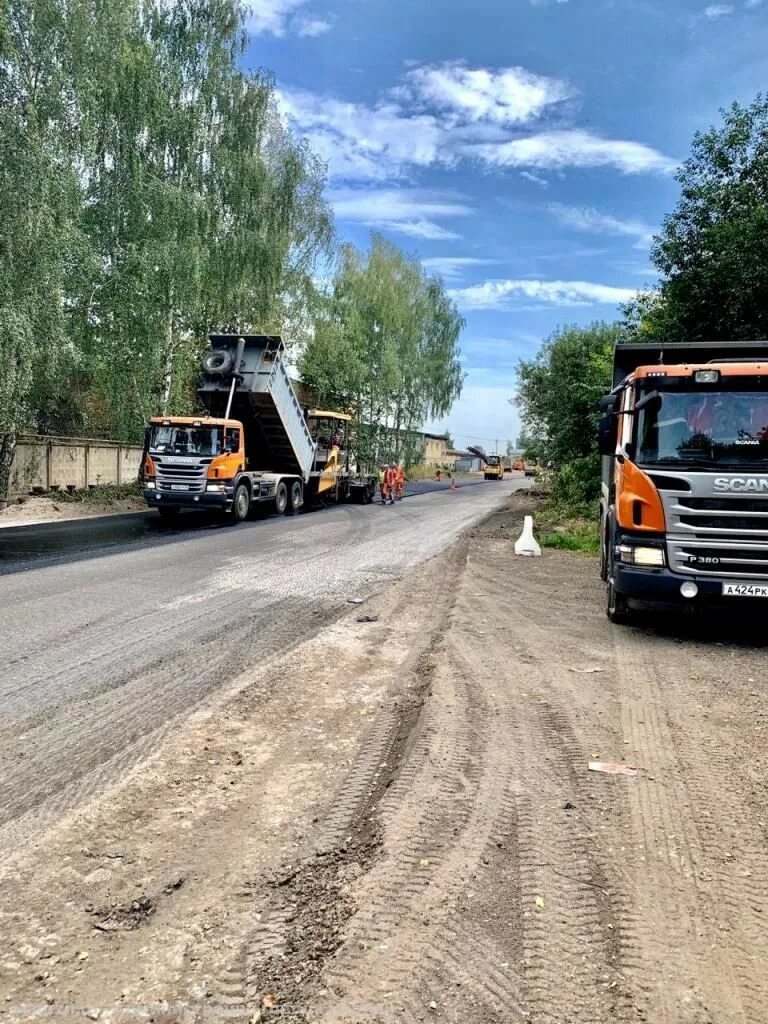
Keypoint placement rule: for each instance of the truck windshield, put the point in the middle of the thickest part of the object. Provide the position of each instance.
(186, 440)
(716, 427)
(493, 460)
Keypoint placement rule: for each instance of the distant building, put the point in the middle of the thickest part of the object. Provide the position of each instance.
(435, 449)
(468, 464)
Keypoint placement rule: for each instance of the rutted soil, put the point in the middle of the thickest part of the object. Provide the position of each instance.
(402, 826)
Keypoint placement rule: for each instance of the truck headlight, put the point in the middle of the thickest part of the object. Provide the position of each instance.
(149, 484)
(632, 554)
(214, 487)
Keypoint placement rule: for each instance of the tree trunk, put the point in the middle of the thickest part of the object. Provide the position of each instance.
(7, 451)
(168, 367)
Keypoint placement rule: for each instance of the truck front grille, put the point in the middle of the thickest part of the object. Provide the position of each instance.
(709, 558)
(191, 475)
(715, 535)
(724, 535)
(732, 521)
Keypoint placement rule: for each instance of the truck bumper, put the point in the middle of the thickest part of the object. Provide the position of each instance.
(654, 588)
(178, 499)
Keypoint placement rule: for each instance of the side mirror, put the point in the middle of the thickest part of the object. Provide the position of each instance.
(608, 403)
(607, 434)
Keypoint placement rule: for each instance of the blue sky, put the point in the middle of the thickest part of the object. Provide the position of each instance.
(523, 149)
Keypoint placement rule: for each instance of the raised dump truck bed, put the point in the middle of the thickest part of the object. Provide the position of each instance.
(278, 438)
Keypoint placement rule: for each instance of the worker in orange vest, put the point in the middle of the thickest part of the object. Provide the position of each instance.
(383, 483)
(399, 482)
(390, 482)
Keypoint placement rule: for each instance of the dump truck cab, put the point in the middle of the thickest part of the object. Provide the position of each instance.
(196, 461)
(684, 506)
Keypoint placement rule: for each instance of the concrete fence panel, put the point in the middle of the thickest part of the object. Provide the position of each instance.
(45, 463)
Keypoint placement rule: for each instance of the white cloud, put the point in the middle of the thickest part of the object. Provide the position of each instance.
(501, 294)
(309, 28)
(555, 150)
(751, 4)
(582, 218)
(451, 267)
(365, 143)
(535, 178)
(715, 11)
(506, 96)
(447, 113)
(410, 212)
(279, 17)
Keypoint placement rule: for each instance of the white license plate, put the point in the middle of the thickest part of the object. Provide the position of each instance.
(179, 487)
(745, 590)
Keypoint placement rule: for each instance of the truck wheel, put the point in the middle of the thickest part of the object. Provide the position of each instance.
(281, 498)
(369, 494)
(603, 554)
(617, 608)
(296, 499)
(241, 504)
(169, 515)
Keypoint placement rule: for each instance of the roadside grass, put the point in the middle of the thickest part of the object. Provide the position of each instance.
(566, 526)
(581, 535)
(102, 494)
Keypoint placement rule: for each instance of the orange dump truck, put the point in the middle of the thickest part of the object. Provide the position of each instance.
(253, 445)
(684, 506)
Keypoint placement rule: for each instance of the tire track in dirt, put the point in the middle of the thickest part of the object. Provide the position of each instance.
(346, 832)
(677, 922)
(657, 917)
(731, 873)
(460, 810)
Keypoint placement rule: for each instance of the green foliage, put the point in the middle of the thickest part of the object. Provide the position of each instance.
(558, 394)
(559, 389)
(712, 251)
(577, 483)
(104, 494)
(580, 535)
(385, 345)
(149, 193)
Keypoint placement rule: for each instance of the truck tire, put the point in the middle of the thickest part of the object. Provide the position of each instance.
(604, 542)
(281, 498)
(218, 363)
(296, 496)
(617, 609)
(241, 504)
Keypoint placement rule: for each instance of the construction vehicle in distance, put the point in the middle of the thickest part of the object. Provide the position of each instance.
(531, 468)
(684, 506)
(256, 445)
(493, 468)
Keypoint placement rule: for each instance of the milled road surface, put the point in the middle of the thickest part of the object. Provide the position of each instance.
(59, 541)
(103, 653)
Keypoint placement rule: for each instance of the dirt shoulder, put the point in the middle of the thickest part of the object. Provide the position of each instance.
(36, 509)
(398, 823)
